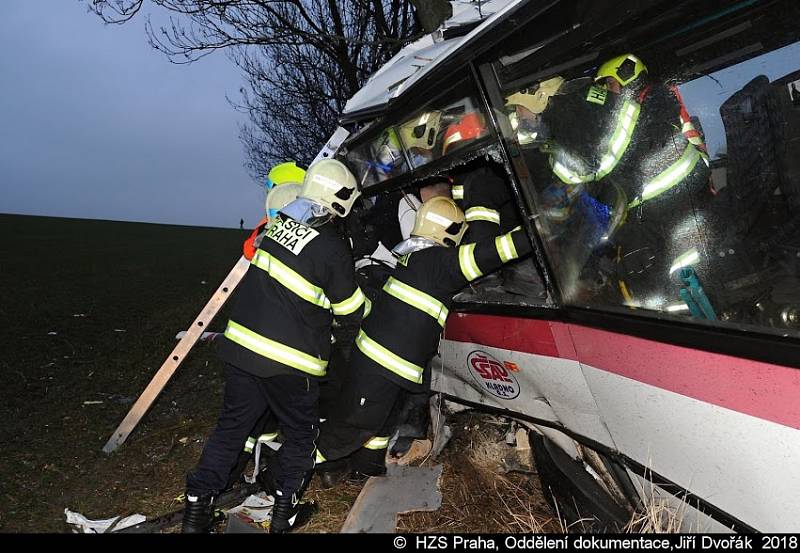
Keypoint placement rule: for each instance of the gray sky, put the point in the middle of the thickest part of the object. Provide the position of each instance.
(96, 124)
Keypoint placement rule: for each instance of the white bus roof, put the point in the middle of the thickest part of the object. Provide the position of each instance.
(420, 57)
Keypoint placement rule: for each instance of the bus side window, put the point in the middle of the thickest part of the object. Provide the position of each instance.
(667, 178)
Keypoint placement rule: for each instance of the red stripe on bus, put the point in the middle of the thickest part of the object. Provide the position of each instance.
(528, 335)
(762, 390)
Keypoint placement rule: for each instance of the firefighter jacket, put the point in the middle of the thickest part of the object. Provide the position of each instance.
(484, 197)
(299, 278)
(641, 141)
(402, 333)
(635, 164)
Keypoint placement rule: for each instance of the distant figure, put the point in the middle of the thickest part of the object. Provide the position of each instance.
(241, 224)
(795, 94)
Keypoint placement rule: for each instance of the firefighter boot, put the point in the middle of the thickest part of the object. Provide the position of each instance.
(332, 473)
(198, 515)
(367, 462)
(284, 512)
(289, 512)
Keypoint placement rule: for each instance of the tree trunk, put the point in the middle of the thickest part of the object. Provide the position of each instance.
(432, 13)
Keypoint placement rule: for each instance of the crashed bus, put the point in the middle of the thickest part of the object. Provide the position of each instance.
(652, 342)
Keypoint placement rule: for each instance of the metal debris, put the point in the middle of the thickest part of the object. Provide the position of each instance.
(402, 490)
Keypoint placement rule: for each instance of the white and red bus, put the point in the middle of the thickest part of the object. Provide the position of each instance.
(660, 362)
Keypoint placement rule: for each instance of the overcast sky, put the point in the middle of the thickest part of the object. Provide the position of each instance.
(96, 124)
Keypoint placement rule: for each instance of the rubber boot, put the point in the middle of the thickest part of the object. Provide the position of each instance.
(198, 515)
(332, 473)
(284, 512)
(366, 462)
(289, 512)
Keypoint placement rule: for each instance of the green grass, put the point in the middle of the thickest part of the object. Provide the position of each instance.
(146, 280)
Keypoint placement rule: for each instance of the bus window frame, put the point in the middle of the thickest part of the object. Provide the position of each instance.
(393, 118)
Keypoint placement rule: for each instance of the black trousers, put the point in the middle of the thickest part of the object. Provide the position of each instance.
(267, 424)
(294, 400)
(366, 403)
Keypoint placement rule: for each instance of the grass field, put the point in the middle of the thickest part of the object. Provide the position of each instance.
(89, 310)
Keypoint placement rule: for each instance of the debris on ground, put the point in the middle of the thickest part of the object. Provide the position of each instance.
(402, 490)
(256, 508)
(478, 495)
(84, 525)
(418, 451)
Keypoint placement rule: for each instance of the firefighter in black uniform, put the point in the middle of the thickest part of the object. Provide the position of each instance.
(629, 165)
(663, 170)
(397, 341)
(483, 195)
(277, 343)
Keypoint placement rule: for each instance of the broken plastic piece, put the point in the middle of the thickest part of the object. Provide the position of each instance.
(88, 526)
(256, 508)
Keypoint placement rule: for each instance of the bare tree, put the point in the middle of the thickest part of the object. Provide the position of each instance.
(302, 59)
(432, 13)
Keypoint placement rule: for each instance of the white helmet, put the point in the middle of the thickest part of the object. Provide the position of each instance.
(281, 196)
(330, 184)
(441, 220)
(535, 98)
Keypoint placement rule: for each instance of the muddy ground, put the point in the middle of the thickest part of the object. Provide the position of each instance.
(89, 310)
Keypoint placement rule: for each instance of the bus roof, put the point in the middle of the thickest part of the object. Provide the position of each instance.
(419, 58)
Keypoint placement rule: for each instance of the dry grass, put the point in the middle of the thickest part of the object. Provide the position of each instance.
(334, 505)
(477, 496)
(658, 515)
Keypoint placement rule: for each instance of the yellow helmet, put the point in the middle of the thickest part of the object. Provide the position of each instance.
(535, 99)
(624, 69)
(441, 220)
(421, 131)
(284, 173)
(281, 196)
(330, 183)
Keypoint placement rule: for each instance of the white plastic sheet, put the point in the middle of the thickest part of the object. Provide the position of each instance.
(88, 526)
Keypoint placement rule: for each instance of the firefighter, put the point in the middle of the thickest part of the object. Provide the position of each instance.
(420, 136)
(628, 164)
(283, 185)
(481, 192)
(396, 342)
(372, 272)
(657, 158)
(276, 345)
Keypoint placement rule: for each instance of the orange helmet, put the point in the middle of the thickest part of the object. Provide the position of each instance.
(471, 126)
